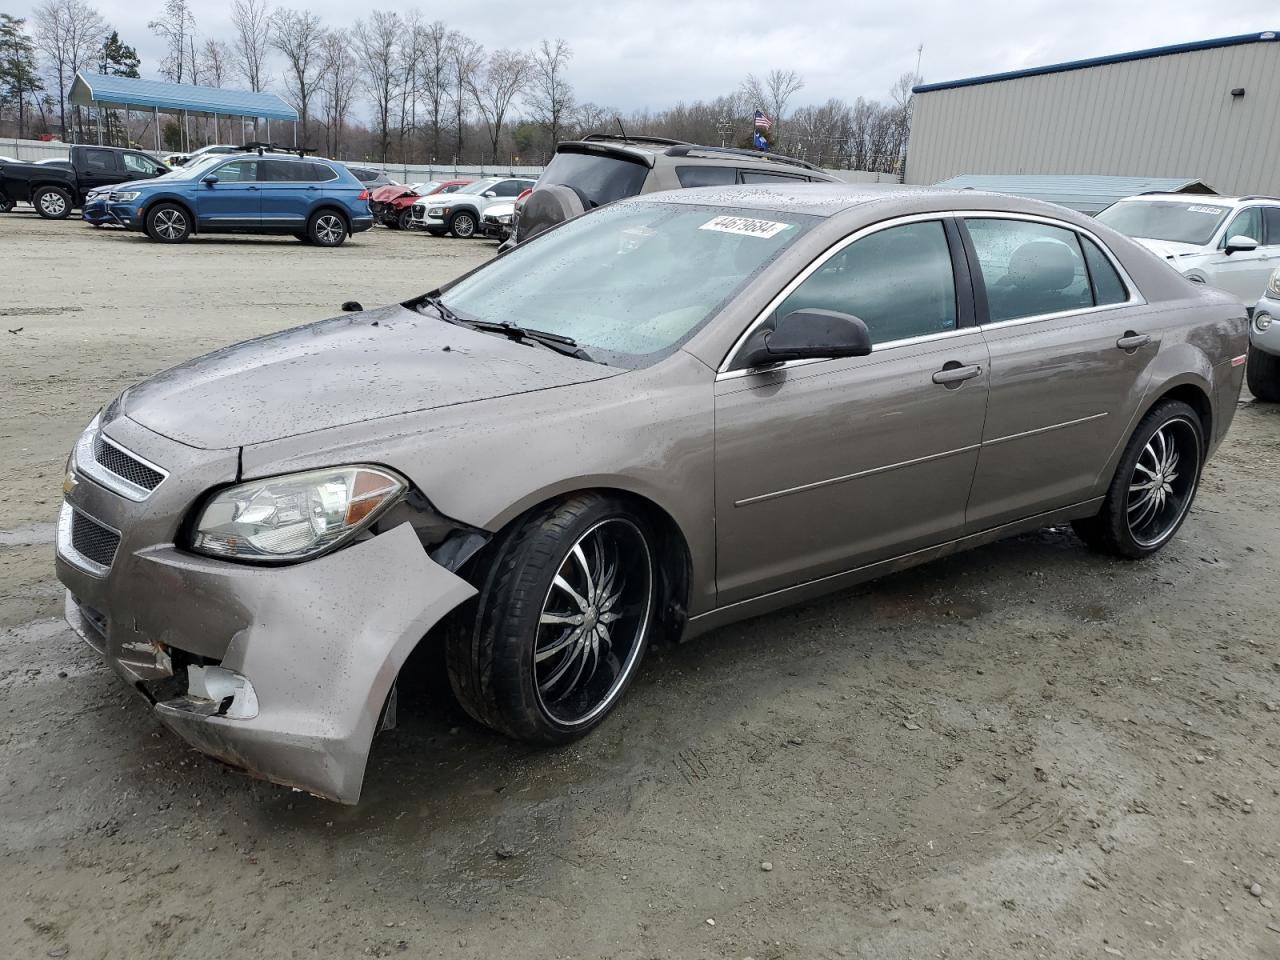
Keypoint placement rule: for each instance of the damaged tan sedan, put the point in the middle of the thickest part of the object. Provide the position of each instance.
(675, 412)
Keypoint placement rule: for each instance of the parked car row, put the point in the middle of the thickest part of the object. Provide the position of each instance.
(392, 205)
(460, 213)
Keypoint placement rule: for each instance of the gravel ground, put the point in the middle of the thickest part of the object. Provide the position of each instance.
(1024, 751)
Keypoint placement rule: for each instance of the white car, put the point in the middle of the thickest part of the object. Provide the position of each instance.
(459, 213)
(1232, 243)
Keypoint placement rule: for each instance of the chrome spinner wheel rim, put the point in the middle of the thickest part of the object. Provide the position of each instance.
(1163, 482)
(593, 622)
(170, 224)
(329, 229)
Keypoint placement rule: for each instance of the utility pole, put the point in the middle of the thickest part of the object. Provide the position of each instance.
(919, 55)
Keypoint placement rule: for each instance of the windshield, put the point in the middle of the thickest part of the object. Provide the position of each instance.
(596, 177)
(478, 186)
(1176, 222)
(630, 282)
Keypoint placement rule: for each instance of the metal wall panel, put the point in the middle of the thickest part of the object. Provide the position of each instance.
(1165, 116)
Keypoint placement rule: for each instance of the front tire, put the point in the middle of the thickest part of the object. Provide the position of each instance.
(405, 220)
(6, 205)
(52, 203)
(327, 229)
(463, 225)
(1263, 375)
(168, 223)
(1154, 486)
(567, 604)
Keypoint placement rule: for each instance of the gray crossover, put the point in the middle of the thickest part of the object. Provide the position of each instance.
(678, 411)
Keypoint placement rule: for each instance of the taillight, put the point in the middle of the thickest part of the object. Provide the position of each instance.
(524, 193)
(364, 195)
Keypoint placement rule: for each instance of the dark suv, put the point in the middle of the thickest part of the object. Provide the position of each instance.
(588, 173)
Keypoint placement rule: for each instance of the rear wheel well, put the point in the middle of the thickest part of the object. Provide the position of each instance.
(331, 208)
(1197, 400)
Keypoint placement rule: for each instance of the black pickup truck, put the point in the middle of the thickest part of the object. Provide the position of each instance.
(57, 188)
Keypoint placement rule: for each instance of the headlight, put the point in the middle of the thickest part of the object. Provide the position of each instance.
(127, 196)
(1273, 284)
(294, 516)
(437, 212)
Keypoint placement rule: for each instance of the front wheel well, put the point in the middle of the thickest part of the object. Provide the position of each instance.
(174, 202)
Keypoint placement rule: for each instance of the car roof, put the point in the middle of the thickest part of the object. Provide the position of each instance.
(816, 199)
(1207, 199)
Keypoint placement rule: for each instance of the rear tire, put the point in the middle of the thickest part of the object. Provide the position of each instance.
(1154, 485)
(168, 223)
(1263, 375)
(52, 203)
(327, 228)
(463, 225)
(567, 604)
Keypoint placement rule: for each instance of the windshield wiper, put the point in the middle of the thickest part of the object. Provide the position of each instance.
(556, 341)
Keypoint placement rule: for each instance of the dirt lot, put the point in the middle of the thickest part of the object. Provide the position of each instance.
(1025, 751)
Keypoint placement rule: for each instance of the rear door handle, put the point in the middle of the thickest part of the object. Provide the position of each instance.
(1132, 341)
(954, 374)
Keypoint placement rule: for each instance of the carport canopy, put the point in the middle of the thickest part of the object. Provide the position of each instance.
(1084, 194)
(126, 93)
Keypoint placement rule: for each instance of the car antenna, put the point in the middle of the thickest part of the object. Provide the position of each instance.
(618, 120)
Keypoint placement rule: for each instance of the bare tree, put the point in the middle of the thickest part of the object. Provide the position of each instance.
(411, 52)
(466, 57)
(549, 96)
(298, 35)
(377, 45)
(434, 78)
(504, 77)
(69, 34)
(338, 77)
(251, 20)
(215, 62)
(176, 26)
(771, 94)
(590, 118)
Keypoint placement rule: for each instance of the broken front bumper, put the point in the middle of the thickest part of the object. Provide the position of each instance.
(312, 649)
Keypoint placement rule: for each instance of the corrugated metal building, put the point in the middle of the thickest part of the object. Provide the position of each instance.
(1206, 110)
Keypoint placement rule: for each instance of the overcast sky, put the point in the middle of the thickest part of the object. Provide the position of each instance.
(632, 55)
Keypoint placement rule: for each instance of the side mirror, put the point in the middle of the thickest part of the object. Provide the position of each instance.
(490, 194)
(210, 180)
(1240, 244)
(807, 335)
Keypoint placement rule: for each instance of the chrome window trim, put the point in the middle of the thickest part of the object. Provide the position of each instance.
(68, 552)
(1135, 296)
(86, 462)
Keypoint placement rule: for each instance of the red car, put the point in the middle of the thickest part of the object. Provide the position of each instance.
(390, 205)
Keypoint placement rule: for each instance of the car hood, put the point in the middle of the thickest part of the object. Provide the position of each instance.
(1170, 249)
(349, 369)
(391, 192)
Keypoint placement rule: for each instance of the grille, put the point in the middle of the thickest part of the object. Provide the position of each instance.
(418, 210)
(122, 465)
(92, 540)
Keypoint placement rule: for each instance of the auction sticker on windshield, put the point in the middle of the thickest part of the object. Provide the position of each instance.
(745, 226)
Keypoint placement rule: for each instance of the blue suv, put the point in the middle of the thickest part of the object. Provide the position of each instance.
(314, 200)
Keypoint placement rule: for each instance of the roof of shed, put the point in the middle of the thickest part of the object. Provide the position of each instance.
(1267, 36)
(89, 89)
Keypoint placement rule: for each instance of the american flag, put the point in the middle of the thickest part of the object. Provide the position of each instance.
(762, 122)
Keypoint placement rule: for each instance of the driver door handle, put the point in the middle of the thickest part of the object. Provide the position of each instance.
(1132, 341)
(954, 375)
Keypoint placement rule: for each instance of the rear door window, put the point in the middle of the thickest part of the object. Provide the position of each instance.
(706, 176)
(285, 171)
(770, 176)
(100, 161)
(1107, 286)
(1029, 268)
(898, 281)
(597, 178)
